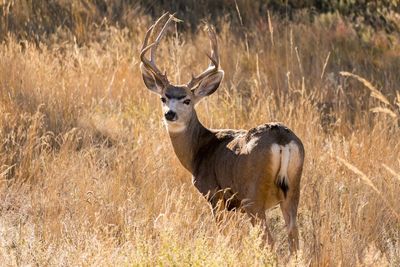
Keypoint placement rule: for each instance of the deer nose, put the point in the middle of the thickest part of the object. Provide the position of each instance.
(170, 115)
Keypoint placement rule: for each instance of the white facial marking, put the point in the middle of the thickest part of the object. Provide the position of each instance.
(174, 127)
(172, 104)
(182, 115)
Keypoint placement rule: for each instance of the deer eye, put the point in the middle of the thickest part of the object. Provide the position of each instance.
(163, 99)
(186, 102)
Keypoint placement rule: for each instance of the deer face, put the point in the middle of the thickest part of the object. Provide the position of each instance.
(177, 107)
(178, 101)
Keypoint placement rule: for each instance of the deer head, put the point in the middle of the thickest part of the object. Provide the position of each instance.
(178, 101)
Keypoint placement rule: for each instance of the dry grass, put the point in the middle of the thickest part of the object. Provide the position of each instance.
(88, 177)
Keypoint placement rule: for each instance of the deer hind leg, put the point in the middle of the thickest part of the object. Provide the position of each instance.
(291, 169)
(289, 211)
(291, 201)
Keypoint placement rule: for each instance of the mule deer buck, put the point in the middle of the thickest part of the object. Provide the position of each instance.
(261, 166)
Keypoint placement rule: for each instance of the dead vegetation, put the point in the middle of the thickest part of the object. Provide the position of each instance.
(87, 176)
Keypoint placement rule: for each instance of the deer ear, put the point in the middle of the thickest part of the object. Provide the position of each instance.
(209, 84)
(150, 80)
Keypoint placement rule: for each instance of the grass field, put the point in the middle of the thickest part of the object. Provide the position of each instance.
(88, 175)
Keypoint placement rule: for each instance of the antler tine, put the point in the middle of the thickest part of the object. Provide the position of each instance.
(150, 30)
(214, 46)
(214, 58)
(151, 65)
(160, 36)
(146, 38)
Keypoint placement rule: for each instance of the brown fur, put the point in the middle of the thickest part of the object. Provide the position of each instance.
(219, 161)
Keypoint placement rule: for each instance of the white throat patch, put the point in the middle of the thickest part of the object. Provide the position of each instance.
(174, 127)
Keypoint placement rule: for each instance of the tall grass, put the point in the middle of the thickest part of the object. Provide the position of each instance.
(88, 176)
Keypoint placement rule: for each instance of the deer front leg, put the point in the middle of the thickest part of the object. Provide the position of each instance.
(217, 205)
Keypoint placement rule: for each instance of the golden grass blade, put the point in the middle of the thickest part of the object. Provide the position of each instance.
(325, 64)
(271, 28)
(375, 93)
(238, 12)
(384, 110)
(392, 172)
(363, 177)
(368, 182)
(299, 60)
(4, 173)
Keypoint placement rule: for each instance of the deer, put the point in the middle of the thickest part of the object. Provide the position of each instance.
(253, 170)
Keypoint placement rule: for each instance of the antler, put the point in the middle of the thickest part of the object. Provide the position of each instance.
(151, 65)
(214, 57)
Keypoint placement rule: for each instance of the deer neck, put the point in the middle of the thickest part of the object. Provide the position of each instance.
(188, 142)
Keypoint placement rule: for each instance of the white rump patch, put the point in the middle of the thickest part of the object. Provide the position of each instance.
(275, 158)
(286, 161)
(283, 170)
(295, 160)
(280, 160)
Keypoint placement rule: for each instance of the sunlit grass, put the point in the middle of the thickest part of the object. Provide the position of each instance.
(88, 176)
